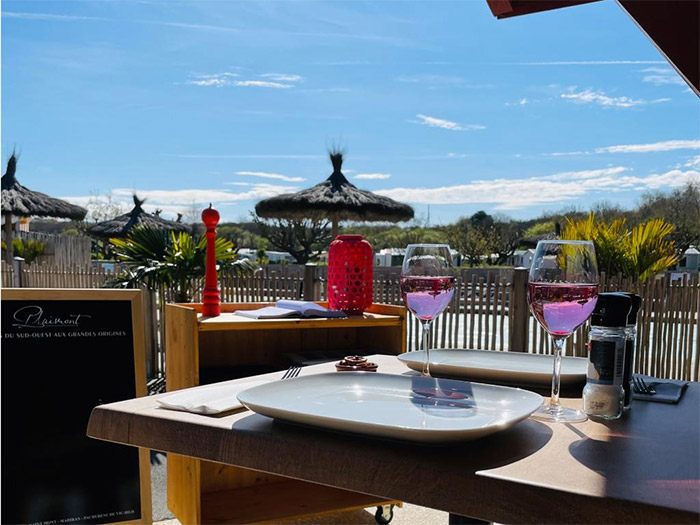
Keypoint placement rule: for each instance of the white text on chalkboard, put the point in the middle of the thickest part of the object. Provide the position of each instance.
(33, 317)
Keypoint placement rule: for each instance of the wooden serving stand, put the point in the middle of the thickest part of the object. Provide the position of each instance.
(202, 491)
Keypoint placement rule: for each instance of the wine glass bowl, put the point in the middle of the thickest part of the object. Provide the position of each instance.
(562, 293)
(427, 286)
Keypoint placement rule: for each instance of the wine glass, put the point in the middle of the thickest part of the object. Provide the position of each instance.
(562, 291)
(427, 286)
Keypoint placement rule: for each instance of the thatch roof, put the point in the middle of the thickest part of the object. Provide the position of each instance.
(335, 199)
(119, 227)
(23, 202)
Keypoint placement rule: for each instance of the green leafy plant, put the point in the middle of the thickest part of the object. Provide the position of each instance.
(176, 260)
(28, 250)
(641, 252)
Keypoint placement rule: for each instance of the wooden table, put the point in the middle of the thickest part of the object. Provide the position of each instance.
(644, 468)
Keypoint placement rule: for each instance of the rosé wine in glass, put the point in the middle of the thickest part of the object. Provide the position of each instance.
(562, 291)
(562, 308)
(427, 297)
(427, 286)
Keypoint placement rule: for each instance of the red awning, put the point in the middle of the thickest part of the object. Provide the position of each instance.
(508, 8)
(673, 26)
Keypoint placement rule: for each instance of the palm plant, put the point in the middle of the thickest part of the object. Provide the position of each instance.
(28, 250)
(174, 259)
(641, 252)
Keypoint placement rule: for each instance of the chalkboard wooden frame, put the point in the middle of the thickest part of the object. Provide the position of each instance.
(135, 298)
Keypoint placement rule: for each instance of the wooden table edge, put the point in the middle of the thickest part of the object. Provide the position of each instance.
(137, 424)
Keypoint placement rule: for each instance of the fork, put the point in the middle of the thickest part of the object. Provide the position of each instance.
(641, 387)
(291, 372)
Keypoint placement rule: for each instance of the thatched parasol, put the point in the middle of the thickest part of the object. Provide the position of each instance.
(120, 227)
(335, 199)
(23, 202)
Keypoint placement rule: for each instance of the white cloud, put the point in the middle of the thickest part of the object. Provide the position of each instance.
(510, 194)
(183, 199)
(566, 153)
(283, 77)
(208, 82)
(667, 145)
(444, 80)
(225, 74)
(261, 83)
(372, 176)
(446, 124)
(693, 163)
(660, 76)
(588, 96)
(75, 18)
(265, 175)
(229, 79)
(200, 27)
(49, 16)
(521, 102)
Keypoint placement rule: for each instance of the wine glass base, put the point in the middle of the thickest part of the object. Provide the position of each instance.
(559, 414)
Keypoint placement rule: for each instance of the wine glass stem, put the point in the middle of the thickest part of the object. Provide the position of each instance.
(556, 375)
(426, 332)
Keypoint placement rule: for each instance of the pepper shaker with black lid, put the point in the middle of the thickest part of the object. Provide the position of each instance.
(603, 395)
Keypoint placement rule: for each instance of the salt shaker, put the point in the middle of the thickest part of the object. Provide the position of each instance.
(603, 395)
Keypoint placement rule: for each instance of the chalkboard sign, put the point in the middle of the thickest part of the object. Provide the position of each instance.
(63, 353)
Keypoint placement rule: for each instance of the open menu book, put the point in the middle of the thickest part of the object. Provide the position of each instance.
(285, 309)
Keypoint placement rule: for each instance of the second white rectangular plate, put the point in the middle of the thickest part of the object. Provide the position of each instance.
(410, 408)
(517, 368)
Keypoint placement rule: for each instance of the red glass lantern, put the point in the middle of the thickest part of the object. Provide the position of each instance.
(350, 271)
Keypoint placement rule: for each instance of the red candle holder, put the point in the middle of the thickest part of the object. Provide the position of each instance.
(211, 298)
(350, 272)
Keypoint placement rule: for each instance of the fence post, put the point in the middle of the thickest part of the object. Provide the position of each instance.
(518, 311)
(17, 270)
(311, 288)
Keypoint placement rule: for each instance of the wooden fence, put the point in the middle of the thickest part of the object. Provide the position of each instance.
(61, 250)
(488, 311)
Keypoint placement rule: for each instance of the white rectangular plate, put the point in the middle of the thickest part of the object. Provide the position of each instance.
(516, 368)
(409, 408)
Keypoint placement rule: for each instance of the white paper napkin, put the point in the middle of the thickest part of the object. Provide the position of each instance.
(208, 400)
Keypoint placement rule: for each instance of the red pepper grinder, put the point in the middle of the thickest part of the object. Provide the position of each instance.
(350, 272)
(211, 298)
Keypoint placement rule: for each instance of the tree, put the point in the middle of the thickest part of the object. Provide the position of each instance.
(397, 237)
(468, 240)
(177, 260)
(103, 208)
(681, 207)
(540, 228)
(505, 237)
(641, 252)
(304, 239)
(242, 237)
(481, 220)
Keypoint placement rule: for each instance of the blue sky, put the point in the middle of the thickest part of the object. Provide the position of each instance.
(437, 103)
